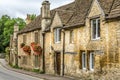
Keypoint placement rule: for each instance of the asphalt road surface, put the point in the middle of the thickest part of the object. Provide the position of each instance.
(11, 75)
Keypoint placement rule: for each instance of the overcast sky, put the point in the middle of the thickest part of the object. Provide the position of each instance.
(19, 8)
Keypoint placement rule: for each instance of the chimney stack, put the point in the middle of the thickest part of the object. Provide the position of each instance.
(46, 18)
(28, 20)
(16, 29)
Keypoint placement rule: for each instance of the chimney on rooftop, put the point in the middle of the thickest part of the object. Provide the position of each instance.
(28, 19)
(46, 18)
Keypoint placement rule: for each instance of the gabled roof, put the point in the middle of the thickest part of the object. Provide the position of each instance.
(82, 7)
(106, 5)
(75, 13)
(34, 25)
(115, 10)
(65, 12)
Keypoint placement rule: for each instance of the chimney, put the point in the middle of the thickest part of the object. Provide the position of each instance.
(16, 29)
(46, 18)
(28, 20)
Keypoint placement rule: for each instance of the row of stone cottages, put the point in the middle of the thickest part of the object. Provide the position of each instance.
(80, 37)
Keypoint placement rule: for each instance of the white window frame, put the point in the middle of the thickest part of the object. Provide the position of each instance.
(57, 35)
(84, 60)
(96, 36)
(91, 65)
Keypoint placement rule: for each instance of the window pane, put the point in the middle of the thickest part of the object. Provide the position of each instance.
(36, 61)
(94, 29)
(36, 37)
(55, 35)
(24, 38)
(83, 60)
(92, 61)
(59, 34)
(98, 28)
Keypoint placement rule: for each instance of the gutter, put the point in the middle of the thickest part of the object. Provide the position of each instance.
(63, 51)
(43, 52)
(74, 26)
(113, 17)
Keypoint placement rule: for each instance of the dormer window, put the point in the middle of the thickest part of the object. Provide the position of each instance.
(57, 35)
(95, 29)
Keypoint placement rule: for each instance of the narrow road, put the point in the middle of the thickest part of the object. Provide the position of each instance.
(11, 75)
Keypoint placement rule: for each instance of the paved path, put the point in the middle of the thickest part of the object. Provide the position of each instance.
(23, 72)
(11, 75)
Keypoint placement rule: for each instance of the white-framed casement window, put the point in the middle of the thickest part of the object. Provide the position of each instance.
(57, 35)
(84, 66)
(91, 61)
(71, 36)
(95, 29)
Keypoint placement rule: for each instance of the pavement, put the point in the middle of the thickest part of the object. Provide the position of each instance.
(6, 74)
(33, 74)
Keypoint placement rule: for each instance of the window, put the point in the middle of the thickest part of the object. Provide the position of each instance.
(91, 61)
(36, 61)
(57, 35)
(24, 61)
(36, 37)
(83, 60)
(24, 39)
(71, 36)
(95, 29)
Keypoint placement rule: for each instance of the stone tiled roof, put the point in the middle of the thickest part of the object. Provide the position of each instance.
(34, 25)
(75, 13)
(115, 10)
(65, 12)
(106, 5)
(82, 7)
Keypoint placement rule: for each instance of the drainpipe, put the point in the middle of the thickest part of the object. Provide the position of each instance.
(63, 51)
(43, 52)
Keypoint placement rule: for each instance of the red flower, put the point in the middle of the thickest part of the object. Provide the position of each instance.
(27, 49)
(36, 48)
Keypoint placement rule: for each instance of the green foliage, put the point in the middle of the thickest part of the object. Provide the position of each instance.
(7, 50)
(38, 71)
(32, 16)
(6, 29)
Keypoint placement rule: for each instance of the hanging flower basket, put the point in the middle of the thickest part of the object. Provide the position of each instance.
(27, 49)
(36, 48)
(33, 44)
(22, 45)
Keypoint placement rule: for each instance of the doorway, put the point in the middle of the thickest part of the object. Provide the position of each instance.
(58, 63)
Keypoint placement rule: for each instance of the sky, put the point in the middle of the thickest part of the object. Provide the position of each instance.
(20, 8)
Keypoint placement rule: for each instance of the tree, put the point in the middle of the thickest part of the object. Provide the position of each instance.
(6, 29)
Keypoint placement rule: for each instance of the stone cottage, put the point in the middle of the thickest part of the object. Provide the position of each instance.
(13, 47)
(77, 38)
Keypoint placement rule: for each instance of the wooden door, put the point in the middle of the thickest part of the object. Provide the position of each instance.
(58, 62)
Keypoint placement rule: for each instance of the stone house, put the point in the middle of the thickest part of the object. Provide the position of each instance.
(77, 38)
(13, 47)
